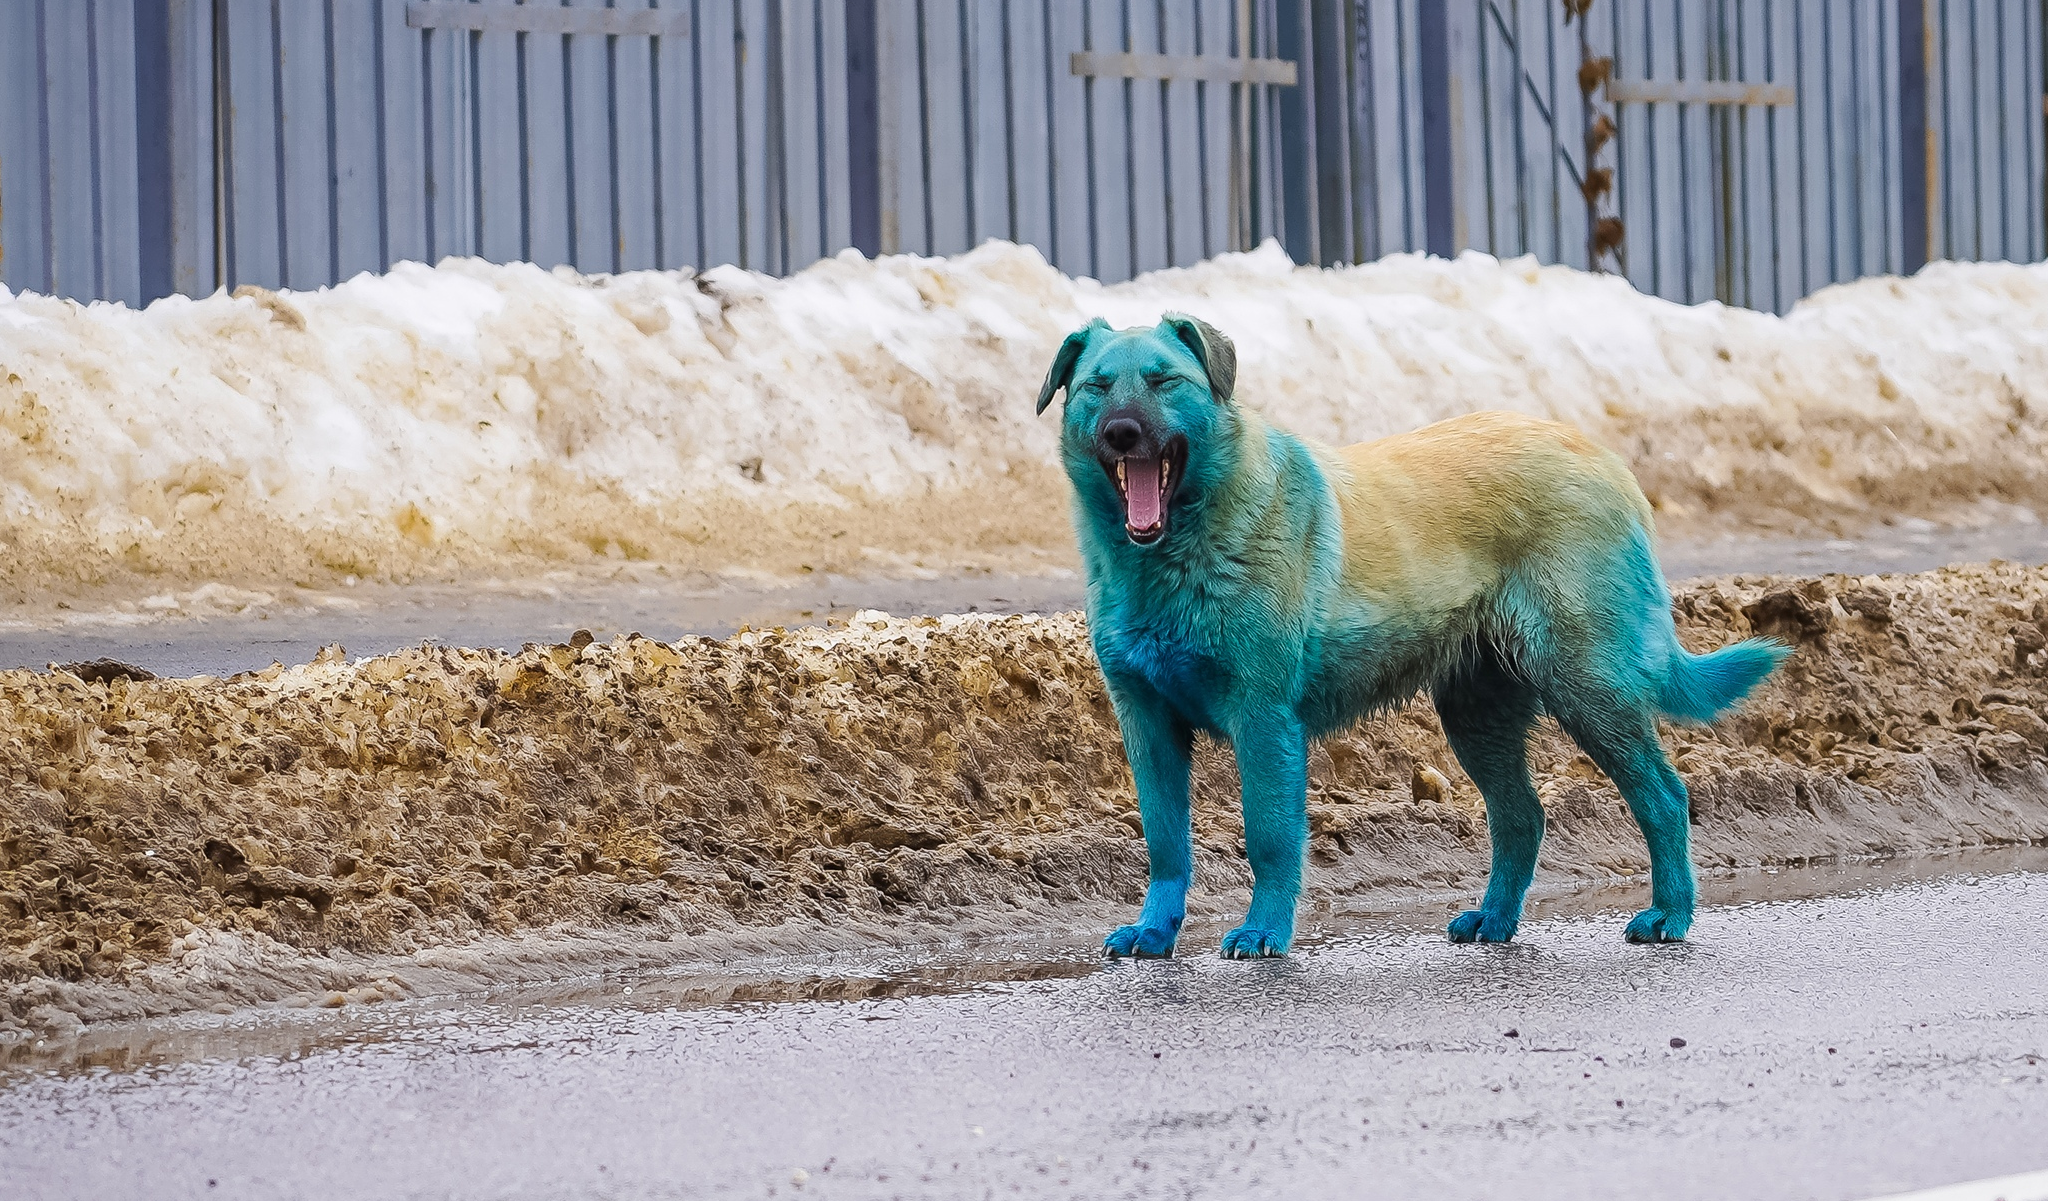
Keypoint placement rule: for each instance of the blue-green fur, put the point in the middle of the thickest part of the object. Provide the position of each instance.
(1240, 622)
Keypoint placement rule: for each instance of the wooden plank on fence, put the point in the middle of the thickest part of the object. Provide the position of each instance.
(547, 19)
(1137, 65)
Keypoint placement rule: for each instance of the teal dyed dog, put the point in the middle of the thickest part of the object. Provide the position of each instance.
(1267, 590)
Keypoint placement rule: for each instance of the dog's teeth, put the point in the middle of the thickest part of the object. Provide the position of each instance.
(1119, 473)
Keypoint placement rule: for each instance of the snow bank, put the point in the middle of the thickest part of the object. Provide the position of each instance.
(867, 413)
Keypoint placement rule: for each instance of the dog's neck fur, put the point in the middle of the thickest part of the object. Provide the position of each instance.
(1242, 525)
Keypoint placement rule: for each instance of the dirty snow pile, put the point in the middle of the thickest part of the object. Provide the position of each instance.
(356, 831)
(865, 414)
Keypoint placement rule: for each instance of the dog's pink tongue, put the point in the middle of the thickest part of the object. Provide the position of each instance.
(1141, 493)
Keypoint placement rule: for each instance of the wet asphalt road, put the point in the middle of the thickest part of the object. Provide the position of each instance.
(1847, 1033)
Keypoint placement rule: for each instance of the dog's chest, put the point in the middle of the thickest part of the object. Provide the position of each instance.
(1176, 665)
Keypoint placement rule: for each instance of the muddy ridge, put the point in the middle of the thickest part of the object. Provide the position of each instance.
(167, 844)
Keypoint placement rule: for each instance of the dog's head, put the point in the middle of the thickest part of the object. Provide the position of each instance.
(1142, 414)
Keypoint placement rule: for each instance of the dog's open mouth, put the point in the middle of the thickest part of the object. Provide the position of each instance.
(1145, 484)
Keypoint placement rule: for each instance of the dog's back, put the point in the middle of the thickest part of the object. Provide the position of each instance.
(1444, 515)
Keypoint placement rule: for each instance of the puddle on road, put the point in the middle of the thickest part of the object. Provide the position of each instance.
(288, 1034)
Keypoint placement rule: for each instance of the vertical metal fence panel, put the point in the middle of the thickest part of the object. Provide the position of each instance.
(189, 144)
(1270, 191)
(593, 240)
(1111, 254)
(1956, 152)
(1754, 266)
(1786, 163)
(1839, 138)
(24, 175)
(676, 88)
(500, 164)
(321, 138)
(987, 121)
(948, 124)
(630, 102)
(399, 102)
(358, 202)
(2032, 135)
(304, 146)
(900, 51)
(1982, 36)
(1070, 135)
(758, 21)
(1630, 153)
(1698, 214)
(2013, 132)
(796, 173)
(117, 230)
(1212, 32)
(1030, 125)
(1388, 131)
(1672, 209)
(450, 129)
(1150, 153)
(252, 197)
(1184, 185)
(545, 170)
(69, 152)
(836, 185)
(723, 207)
(1883, 250)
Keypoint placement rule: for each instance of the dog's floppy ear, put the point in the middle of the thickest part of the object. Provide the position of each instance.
(1062, 373)
(1211, 349)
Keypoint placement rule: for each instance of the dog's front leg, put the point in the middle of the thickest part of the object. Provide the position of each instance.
(1159, 745)
(1272, 763)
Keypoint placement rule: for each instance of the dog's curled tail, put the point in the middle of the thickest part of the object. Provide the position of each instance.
(1702, 687)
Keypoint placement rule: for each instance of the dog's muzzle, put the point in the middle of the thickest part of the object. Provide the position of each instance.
(1146, 475)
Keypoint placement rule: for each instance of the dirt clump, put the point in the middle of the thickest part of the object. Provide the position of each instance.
(887, 773)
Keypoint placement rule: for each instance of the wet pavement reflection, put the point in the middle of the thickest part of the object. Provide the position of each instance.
(1832, 1031)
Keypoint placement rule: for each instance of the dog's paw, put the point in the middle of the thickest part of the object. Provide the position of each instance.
(1252, 942)
(1140, 942)
(1477, 925)
(1656, 925)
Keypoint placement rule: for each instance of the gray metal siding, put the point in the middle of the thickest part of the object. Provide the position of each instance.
(309, 140)
(69, 211)
(1749, 204)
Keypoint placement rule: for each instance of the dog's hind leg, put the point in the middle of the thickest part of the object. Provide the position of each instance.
(1623, 742)
(1272, 767)
(1486, 713)
(1159, 745)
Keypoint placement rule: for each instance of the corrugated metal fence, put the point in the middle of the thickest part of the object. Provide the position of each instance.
(1762, 148)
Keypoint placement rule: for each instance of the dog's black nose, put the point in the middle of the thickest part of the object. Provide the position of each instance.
(1122, 435)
